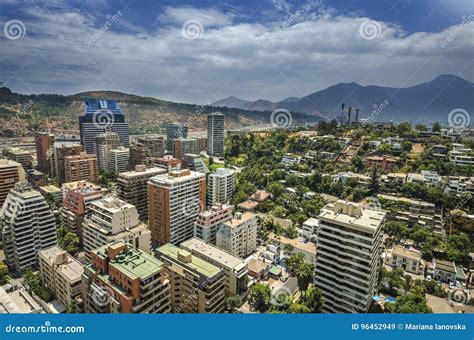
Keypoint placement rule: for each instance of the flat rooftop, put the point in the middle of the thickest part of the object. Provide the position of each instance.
(175, 177)
(213, 252)
(147, 172)
(245, 217)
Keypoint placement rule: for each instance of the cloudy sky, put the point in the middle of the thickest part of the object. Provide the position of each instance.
(203, 51)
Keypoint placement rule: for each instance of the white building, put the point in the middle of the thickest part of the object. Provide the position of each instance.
(460, 155)
(239, 235)
(431, 177)
(208, 222)
(348, 256)
(310, 229)
(27, 226)
(288, 160)
(119, 160)
(220, 186)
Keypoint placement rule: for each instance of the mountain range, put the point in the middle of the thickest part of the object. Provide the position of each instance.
(431, 101)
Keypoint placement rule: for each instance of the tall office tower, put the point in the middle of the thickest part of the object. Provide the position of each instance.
(132, 187)
(101, 115)
(182, 146)
(220, 186)
(123, 279)
(104, 142)
(27, 226)
(167, 162)
(22, 156)
(10, 173)
(111, 219)
(196, 286)
(154, 144)
(175, 130)
(215, 134)
(61, 273)
(239, 235)
(138, 154)
(348, 256)
(76, 203)
(235, 268)
(43, 142)
(82, 167)
(61, 150)
(174, 201)
(208, 222)
(119, 160)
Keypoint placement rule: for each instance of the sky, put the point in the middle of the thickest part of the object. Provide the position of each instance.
(203, 51)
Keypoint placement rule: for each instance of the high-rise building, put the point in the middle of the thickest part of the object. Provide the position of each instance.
(235, 268)
(155, 145)
(239, 235)
(22, 156)
(101, 115)
(220, 186)
(111, 219)
(43, 142)
(104, 142)
(82, 167)
(119, 160)
(202, 144)
(132, 187)
(123, 279)
(195, 163)
(61, 273)
(175, 130)
(196, 286)
(60, 151)
(348, 257)
(138, 154)
(175, 200)
(167, 162)
(10, 173)
(208, 222)
(215, 134)
(182, 146)
(27, 226)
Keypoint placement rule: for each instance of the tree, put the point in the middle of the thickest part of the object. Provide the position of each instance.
(413, 301)
(72, 308)
(406, 146)
(374, 183)
(304, 272)
(314, 300)
(3, 273)
(259, 297)
(233, 303)
(297, 308)
(436, 127)
(67, 240)
(33, 281)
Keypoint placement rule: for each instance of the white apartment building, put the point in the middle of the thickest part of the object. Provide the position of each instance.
(459, 184)
(431, 177)
(460, 155)
(112, 219)
(27, 226)
(348, 256)
(208, 222)
(119, 160)
(235, 268)
(239, 235)
(288, 160)
(220, 186)
(407, 258)
(309, 229)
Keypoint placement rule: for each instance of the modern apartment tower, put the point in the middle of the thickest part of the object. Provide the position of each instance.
(155, 145)
(208, 222)
(119, 160)
(99, 116)
(10, 173)
(215, 134)
(182, 146)
(239, 235)
(60, 151)
(104, 142)
(27, 226)
(175, 200)
(220, 186)
(82, 167)
(43, 142)
(348, 256)
(175, 130)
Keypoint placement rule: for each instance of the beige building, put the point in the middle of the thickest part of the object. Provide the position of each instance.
(239, 235)
(197, 286)
(10, 173)
(61, 273)
(82, 167)
(208, 222)
(235, 268)
(407, 258)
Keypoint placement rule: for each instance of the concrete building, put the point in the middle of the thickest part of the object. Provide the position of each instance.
(194, 162)
(175, 201)
(22, 156)
(43, 142)
(384, 162)
(235, 269)
(27, 226)
(208, 222)
(348, 256)
(167, 162)
(104, 143)
(407, 258)
(132, 187)
(61, 273)
(119, 160)
(220, 186)
(53, 191)
(123, 279)
(288, 160)
(215, 134)
(112, 219)
(60, 151)
(310, 229)
(175, 130)
(155, 145)
(182, 146)
(138, 154)
(82, 167)
(17, 300)
(197, 286)
(10, 173)
(459, 184)
(239, 235)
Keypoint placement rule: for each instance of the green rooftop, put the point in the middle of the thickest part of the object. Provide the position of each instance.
(196, 264)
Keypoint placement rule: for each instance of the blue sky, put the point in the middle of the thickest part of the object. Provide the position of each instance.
(202, 51)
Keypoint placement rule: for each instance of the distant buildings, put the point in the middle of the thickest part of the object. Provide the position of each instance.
(182, 146)
(99, 116)
(10, 173)
(208, 222)
(460, 155)
(27, 226)
(123, 279)
(43, 142)
(194, 162)
(82, 167)
(347, 260)
(119, 160)
(288, 160)
(19, 155)
(215, 134)
(384, 163)
(239, 235)
(220, 186)
(104, 143)
(167, 162)
(175, 130)
(155, 145)
(60, 151)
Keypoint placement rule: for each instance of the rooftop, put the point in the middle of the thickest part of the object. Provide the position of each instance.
(175, 177)
(213, 252)
(411, 253)
(141, 172)
(7, 163)
(239, 219)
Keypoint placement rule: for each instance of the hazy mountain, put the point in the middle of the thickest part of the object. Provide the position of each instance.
(231, 102)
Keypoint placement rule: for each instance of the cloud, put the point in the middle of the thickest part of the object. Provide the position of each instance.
(207, 16)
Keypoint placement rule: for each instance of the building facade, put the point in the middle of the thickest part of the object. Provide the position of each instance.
(215, 134)
(43, 142)
(239, 235)
(10, 173)
(220, 186)
(208, 222)
(82, 167)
